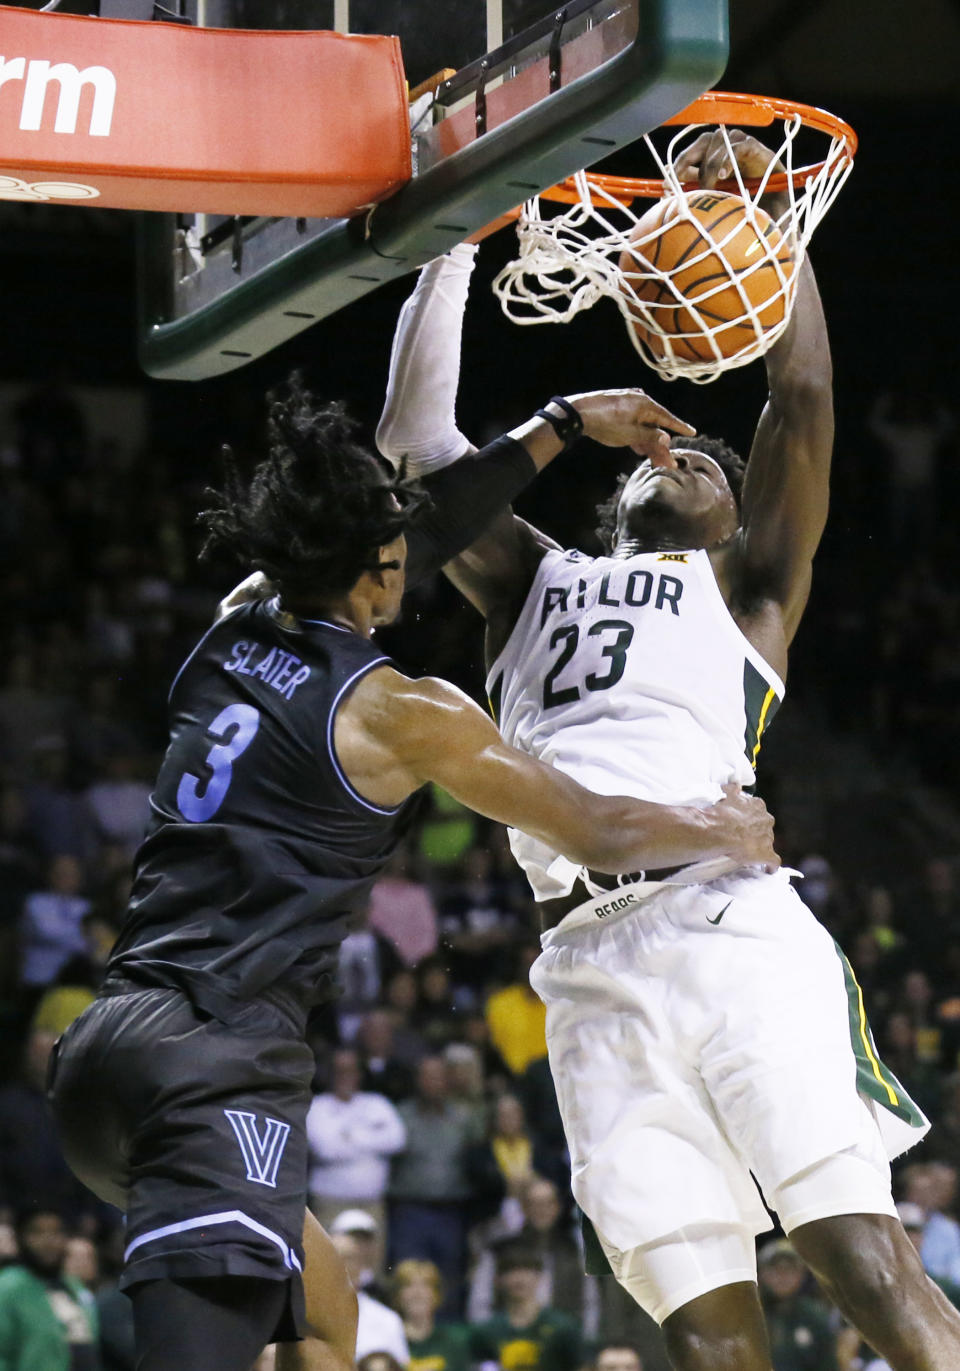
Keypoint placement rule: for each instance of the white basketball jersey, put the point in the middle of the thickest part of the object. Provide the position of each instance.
(630, 675)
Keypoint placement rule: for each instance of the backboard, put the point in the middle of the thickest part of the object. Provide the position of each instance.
(539, 92)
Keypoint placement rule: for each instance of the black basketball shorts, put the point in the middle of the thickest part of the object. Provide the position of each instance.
(195, 1128)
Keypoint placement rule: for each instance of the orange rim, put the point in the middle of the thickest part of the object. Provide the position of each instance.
(719, 107)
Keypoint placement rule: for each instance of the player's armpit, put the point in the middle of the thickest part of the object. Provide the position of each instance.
(429, 730)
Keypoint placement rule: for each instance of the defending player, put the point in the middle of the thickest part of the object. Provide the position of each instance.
(295, 748)
(707, 1027)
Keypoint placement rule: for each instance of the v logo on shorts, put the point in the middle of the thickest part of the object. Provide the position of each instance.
(262, 1154)
(721, 914)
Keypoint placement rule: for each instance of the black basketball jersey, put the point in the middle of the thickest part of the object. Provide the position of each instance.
(258, 847)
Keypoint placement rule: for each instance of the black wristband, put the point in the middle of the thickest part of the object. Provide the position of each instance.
(568, 428)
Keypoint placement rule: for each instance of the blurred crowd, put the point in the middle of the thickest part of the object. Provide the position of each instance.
(437, 1154)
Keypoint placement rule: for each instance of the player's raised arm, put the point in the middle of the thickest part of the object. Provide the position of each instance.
(472, 490)
(470, 518)
(786, 488)
(393, 735)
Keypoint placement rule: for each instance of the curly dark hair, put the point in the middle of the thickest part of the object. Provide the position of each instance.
(731, 464)
(317, 508)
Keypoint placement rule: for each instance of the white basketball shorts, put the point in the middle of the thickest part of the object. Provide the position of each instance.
(701, 1034)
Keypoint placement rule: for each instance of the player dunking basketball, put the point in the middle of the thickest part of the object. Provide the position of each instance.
(701, 1024)
(295, 747)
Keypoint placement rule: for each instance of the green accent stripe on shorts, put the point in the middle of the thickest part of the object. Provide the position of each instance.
(594, 1258)
(873, 1078)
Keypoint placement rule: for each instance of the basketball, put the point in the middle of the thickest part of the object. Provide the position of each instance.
(703, 251)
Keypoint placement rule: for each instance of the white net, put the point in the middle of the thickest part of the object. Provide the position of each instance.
(721, 292)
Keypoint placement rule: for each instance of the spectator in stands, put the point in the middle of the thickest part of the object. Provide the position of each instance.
(505, 1165)
(801, 1336)
(369, 1239)
(351, 1136)
(511, 1144)
(546, 1231)
(466, 1083)
(880, 920)
(8, 1240)
(917, 999)
(436, 1016)
(400, 995)
(526, 1334)
(386, 1056)
(933, 1186)
(914, 1220)
(120, 803)
(82, 1261)
(516, 1016)
(403, 912)
(616, 1356)
(822, 891)
(51, 925)
(366, 962)
(944, 1141)
(429, 1184)
(496, 1075)
(931, 907)
(418, 1294)
(379, 1329)
(48, 1319)
(377, 1361)
(476, 922)
(922, 1079)
(32, 1167)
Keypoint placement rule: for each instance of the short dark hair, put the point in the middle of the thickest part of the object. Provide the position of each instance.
(26, 1215)
(730, 463)
(514, 1254)
(317, 508)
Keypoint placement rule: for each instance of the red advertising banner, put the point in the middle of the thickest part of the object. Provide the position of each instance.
(225, 121)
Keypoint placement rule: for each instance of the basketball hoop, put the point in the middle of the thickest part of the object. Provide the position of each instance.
(569, 259)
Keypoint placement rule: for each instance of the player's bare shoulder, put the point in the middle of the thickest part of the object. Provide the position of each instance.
(385, 728)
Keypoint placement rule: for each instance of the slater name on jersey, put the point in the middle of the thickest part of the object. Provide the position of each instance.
(635, 588)
(282, 670)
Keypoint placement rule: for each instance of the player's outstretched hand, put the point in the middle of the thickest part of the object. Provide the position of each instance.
(629, 418)
(707, 160)
(750, 826)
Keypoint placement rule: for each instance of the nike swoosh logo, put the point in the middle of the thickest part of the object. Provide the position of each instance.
(721, 914)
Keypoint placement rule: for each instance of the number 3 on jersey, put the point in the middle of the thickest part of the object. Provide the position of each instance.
(569, 636)
(234, 729)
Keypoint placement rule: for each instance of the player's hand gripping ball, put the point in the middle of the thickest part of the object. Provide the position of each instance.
(708, 261)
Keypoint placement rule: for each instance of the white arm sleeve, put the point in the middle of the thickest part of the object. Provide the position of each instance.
(419, 414)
